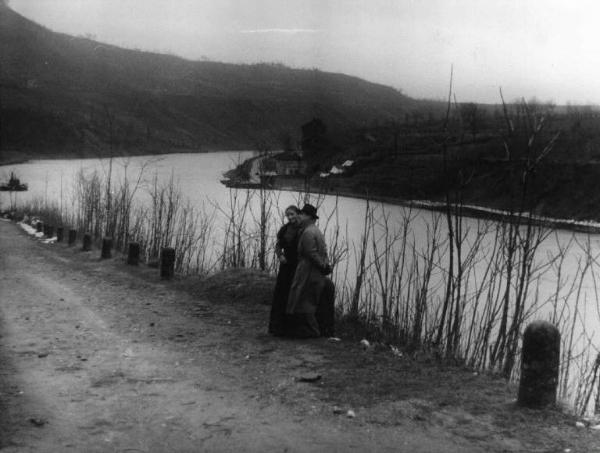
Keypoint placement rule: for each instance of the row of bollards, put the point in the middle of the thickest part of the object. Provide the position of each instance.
(167, 255)
(167, 259)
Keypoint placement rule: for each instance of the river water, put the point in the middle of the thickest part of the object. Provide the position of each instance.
(556, 288)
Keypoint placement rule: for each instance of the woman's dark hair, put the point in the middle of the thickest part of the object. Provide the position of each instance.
(292, 207)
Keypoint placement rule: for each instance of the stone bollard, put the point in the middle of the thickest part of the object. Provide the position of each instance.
(49, 231)
(72, 237)
(87, 242)
(45, 229)
(167, 263)
(133, 255)
(59, 234)
(106, 248)
(39, 227)
(539, 365)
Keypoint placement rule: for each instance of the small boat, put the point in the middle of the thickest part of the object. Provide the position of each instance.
(13, 184)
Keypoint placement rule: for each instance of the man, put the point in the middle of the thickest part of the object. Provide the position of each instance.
(309, 279)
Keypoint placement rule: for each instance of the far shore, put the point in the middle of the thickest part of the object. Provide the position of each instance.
(479, 212)
(14, 157)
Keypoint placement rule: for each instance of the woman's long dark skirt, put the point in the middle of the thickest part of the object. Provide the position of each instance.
(302, 325)
(277, 321)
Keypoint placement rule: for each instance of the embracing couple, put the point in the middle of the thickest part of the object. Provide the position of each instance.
(303, 299)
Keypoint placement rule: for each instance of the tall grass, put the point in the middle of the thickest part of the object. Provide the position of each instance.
(107, 206)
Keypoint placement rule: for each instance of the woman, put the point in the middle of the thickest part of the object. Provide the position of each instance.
(286, 249)
(309, 280)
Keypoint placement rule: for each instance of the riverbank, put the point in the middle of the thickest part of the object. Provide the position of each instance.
(101, 356)
(478, 212)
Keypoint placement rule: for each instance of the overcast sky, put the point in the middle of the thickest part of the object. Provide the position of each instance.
(549, 49)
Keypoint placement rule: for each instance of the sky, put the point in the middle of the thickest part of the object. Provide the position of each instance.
(547, 49)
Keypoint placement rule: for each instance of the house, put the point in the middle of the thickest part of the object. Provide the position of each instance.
(313, 135)
(289, 163)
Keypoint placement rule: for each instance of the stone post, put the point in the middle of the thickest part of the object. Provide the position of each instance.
(59, 234)
(49, 231)
(539, 365)
(106, 248)
(72, 237)
(167, 263)
(133, 255)
(39, 227)
(87, 242)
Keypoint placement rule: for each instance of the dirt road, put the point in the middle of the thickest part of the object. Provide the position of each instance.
(97, 356)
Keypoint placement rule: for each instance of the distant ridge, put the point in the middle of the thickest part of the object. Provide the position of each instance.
(65, 95)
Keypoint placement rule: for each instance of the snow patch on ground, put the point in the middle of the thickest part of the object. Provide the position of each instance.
(28, 228)
(32, 231)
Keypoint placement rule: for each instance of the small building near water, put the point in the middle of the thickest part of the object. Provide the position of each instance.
(289, 163)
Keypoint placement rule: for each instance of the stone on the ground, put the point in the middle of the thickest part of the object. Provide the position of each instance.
(309, 377)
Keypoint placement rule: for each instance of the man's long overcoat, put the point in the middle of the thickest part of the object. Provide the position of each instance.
(308, 280)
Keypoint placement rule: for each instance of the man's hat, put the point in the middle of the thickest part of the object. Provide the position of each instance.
(310, 210)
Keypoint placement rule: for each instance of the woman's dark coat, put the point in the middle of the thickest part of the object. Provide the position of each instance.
(287, 246)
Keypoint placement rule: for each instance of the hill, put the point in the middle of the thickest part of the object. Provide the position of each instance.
(74, 96)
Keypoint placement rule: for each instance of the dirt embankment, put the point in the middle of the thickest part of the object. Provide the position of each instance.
(99, 356)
